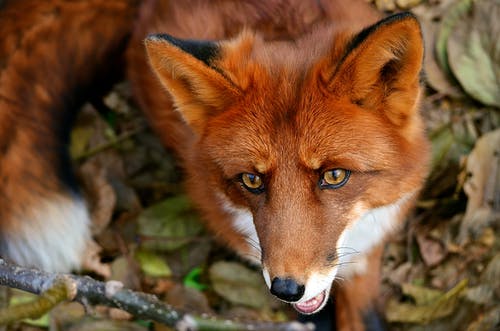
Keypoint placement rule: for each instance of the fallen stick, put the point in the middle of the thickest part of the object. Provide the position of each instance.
(89, 291)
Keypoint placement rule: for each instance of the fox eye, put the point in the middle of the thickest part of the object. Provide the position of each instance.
(252, 182)
(334, 178)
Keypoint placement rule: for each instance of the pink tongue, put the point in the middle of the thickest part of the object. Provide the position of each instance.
(310, 306)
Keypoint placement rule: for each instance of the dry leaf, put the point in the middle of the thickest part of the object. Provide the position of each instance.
(442, 305)
(92, 260)
(238, 284)
(453, 17)
(438, 79)
(482, 186)
(432, 251)
(170, 224)
(188, 299)
(487, 321)
(474, 51)
(100, 194)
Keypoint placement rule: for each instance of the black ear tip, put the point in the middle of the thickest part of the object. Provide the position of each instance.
(203, 50)
(405, 14)
(160, 37)
(400, 17)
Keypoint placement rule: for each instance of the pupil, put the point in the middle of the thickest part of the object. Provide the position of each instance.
(252, 180)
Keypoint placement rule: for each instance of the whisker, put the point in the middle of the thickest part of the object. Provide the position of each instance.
(254, 244)
(333, 259)
(339, 280)
(337, 264)
(251, 256)
(349, 248)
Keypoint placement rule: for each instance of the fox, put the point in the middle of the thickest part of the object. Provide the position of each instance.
(296, 123)
(302, 143)
(54, 56)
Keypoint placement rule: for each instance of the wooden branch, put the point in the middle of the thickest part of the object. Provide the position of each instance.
(112, 294)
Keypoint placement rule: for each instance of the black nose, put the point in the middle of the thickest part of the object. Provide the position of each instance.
(287, 289)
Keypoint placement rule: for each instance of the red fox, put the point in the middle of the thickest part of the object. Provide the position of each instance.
(301, 140)
(297, 123)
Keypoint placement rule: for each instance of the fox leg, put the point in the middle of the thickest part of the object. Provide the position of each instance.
(355, 299)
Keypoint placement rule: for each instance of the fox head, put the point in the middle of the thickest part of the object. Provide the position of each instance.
(313, 150)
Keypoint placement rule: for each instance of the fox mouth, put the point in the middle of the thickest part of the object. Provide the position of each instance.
(316, 294)
(313, 305)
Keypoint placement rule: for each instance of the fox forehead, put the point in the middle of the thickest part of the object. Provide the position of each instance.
(287, 113)
(301, 127)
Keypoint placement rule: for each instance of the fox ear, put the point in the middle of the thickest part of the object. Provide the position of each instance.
(184, 67)
(381, 68)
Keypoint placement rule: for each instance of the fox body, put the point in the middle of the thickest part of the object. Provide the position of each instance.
(296, 122)
(52, 59)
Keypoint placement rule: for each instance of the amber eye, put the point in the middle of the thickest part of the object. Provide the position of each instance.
(334, 178)
(252, 183)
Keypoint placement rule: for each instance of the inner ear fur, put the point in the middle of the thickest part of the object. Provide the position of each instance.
(185, 68)
(381, 68)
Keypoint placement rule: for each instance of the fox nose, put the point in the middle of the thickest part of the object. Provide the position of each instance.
(287, 289)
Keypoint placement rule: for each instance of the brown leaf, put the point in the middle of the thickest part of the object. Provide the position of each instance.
(447, 274)
(188, 299)
(486, 321)
(106, 325)
(92, 260)
(491, 274)
(65, 314)
(100, 194)
(401, 274)
(125, 270)
(432, 251)
(482, 186)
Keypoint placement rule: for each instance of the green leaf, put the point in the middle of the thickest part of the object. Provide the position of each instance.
(238, 284)
(449, 22)
(435, 75)
(80, 137)
(169, 225)
(152, 264)
(192, 279)
(20, 297)
(430, 304)
(474, 52)
(421, 294)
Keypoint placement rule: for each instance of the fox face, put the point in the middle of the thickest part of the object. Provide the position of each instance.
(307, 153)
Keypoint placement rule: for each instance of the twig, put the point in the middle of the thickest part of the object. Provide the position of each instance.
(115, 141)
(141, 305)
(61, 290)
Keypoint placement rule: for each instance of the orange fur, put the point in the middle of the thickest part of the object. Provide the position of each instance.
(288, 101)
(50, 55)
